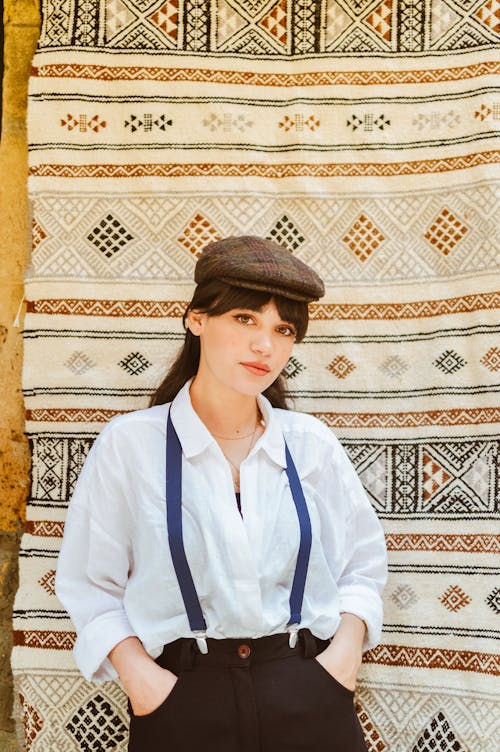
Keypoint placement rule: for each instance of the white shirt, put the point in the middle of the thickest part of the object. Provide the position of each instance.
(115, 574)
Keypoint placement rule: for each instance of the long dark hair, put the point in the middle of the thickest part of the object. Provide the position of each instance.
(216, 298)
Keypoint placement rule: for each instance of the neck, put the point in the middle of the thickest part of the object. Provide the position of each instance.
(230, 414)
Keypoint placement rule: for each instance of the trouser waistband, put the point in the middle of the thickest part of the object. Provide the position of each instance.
(184, 653)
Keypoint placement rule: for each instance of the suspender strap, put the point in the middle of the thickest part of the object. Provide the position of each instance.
(178, 553)
(299, 579)
(174, 528)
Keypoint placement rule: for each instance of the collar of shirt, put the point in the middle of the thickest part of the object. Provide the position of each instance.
(195, 437)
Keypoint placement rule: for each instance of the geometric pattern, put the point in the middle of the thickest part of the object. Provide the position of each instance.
(454, 598)
(96, 725)
(361, 136)
(310, 227)
(449, 479)
(271, 28)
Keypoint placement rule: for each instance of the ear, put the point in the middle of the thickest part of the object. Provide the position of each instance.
(195, 322)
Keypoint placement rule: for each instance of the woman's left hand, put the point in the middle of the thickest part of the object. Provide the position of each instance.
(342, 658)
(341, 664)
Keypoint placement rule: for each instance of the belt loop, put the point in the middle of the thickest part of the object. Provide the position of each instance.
(186, 658)
(310, 646)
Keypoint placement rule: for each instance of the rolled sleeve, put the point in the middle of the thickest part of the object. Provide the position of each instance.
(95, 560)
(365, 572)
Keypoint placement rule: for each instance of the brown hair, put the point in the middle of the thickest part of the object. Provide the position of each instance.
(216, 298)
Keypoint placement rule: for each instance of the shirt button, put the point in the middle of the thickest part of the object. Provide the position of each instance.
(244, 651)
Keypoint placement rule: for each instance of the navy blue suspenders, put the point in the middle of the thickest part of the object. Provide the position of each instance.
(178, 553)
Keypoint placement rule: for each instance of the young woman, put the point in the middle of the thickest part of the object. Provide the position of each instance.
(220, 555)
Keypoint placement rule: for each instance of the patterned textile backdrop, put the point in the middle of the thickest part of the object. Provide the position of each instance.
(361, 135)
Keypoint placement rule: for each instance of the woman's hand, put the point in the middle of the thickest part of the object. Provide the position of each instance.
(342, 658)
(146, 684)
(147, 693)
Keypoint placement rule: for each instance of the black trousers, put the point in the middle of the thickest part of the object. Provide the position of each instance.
(250, 696)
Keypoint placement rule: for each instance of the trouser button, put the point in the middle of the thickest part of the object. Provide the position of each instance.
(244, 651)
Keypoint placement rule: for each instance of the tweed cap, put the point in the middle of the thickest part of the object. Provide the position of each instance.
(258, 264)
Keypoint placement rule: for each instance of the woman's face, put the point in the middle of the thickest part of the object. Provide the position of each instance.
(242, 350)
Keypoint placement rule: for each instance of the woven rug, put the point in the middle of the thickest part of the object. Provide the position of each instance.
(361, 135)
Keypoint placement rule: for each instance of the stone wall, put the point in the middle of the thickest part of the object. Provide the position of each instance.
(21, 19)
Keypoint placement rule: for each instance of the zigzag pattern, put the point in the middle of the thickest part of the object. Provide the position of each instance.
(44, 639)
(457, 417)
(271, 171)
(72, 415)
(318, 311)
(44, 528)
(471, 544)
(453, 660)
(253, 78)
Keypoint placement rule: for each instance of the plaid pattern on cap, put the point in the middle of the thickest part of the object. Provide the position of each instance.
(258, 264)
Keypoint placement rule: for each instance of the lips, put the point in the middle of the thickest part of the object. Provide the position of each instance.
(257, 369)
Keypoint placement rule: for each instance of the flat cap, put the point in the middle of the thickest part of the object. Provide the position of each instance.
(258, 264)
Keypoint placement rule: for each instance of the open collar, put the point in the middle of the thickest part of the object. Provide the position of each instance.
(195, 437)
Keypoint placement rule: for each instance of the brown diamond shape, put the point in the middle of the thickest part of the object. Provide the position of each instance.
(198, 233)
(48, 581)
(445, 231)
(454, 598)
(491, 359)
(363, 237)
(341, 366)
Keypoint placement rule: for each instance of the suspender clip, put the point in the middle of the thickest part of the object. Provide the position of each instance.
(292, 630)
(200, 636)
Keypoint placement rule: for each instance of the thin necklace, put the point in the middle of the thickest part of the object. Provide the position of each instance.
(236, 469)
(260, 421)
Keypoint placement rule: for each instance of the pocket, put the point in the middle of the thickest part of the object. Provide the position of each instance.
(162, 707)
(338, 685)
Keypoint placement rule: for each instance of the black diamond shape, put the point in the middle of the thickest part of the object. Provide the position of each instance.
(493, 600)
(292, 368)
(286, 233)
(438, 737)
(96, 727)
(134, 363)
(449, 361)
(109, 236)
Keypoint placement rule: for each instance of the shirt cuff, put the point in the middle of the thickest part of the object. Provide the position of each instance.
(368, 607)
(94, 643)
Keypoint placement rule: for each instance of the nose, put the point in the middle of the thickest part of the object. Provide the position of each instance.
(262, 343)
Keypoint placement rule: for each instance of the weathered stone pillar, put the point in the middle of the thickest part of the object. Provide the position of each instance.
(21, 19)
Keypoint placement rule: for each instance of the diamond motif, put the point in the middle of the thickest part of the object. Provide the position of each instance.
(38, 234)
(227, 122)
(493, 600)
(341, 366)
(438, 737)
(454, 599)
(166, 18)
(79, 363)
(96, 726)
(286, 233)
(380, 20)
(198, 233)
(449, 361)
(404, 596)
(445, 231)
(489, 15)
(33, 723)
(292, 368)
(147, 123)
(442, 19)
(434, 476)
(370, 732)
(109, 236)
(363, 238)
(394, 366)
(337, 21)
(134, 364)
(228, 22)
(83, 122)
(48, 582)
(491, 359)
(275, 22)
(118, 16)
